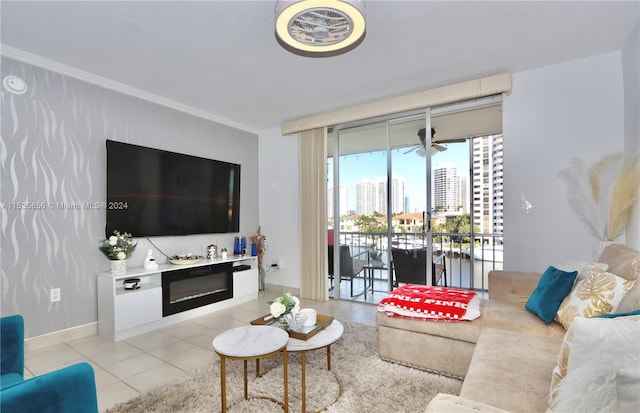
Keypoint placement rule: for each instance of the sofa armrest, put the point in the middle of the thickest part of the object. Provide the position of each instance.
(448, 403)
(12, 346)
(512, 287)
(69, 390)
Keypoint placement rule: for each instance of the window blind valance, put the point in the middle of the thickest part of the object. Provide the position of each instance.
(457, 92)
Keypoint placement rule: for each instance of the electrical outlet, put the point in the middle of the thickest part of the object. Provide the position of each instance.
(55, 295)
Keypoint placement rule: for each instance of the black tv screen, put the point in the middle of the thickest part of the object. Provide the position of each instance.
(151, 192)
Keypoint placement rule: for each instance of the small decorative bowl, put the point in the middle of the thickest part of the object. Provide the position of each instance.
(131, 283)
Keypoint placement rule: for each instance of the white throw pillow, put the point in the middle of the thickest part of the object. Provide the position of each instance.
(628, 388)
(600, 348)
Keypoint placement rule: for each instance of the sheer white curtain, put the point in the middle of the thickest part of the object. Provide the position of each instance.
(313, 213)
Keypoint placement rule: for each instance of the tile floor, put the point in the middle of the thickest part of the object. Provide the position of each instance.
(127, 368)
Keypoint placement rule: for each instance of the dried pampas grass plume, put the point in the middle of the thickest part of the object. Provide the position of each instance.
(604, 193)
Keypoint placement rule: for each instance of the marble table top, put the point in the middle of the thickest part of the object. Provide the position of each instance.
(328, 336)
(250, 341)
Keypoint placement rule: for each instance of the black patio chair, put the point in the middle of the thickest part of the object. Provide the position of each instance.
(350, 266)
(410, 267)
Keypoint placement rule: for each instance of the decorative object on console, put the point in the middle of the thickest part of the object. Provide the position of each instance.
(184, 259)
(283, 305)
(131, 283)
(603, 194)
(117, 248)
(150, 262)
(239, 245)
(261, 244)
(212, 252)
(223, 253)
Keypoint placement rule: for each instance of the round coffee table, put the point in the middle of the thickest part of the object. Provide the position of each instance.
(324, 338)
(250, 343)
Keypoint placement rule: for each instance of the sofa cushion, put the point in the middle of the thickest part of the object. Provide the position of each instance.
(493, 314)
(631, 300)
(622, 260)
(509, 317)
(511, 370)
(553, 287)
(599, 293)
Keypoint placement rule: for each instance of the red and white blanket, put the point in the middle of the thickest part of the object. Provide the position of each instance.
(431, 303)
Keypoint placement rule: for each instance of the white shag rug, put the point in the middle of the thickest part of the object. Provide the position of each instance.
(358, 382)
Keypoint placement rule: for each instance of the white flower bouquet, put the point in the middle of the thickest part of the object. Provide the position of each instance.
(118, 246)
(284, 304)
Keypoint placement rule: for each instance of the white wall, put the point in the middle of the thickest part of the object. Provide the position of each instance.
(631, 76)
(279, 205)
(554, 114)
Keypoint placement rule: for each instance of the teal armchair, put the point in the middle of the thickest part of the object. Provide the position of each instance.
(70, 390)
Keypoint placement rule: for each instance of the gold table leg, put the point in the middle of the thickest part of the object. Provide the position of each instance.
(246, 383)
(286, 381)
(223, 384)
(304, 381)
(329, 357)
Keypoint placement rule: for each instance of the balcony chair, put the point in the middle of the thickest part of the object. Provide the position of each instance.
(350, 266)
(68, 390)
(410, 267)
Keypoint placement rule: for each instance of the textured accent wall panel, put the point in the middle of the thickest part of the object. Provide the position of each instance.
(52, 189)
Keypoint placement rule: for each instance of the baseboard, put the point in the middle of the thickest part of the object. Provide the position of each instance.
(58, 337)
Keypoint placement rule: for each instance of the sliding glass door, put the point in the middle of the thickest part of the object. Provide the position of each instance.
(416, 198)
(381, 204)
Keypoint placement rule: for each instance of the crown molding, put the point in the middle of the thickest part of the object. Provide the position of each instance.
(66, 70)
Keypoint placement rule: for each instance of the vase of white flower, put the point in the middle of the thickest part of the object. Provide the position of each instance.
(283, 305)
(118, 267)
(117, 248)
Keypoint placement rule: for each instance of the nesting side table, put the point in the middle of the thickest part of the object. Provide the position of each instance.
(250, 343)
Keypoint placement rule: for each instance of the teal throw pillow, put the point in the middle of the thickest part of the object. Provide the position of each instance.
(553, 287)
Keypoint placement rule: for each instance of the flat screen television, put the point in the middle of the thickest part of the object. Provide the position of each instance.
(151, 192)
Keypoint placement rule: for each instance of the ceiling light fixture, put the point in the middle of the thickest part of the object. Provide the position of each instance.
(320, 27)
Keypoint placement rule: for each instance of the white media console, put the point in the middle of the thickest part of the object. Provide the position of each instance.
(126, 313)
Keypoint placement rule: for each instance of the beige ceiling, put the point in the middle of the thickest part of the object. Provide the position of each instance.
(220, 59)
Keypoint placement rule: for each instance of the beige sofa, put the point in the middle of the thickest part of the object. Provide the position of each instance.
(505, 357)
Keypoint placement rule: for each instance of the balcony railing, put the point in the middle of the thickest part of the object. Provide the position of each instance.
(468, 263)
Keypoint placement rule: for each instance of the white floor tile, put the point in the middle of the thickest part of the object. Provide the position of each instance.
(127, 368)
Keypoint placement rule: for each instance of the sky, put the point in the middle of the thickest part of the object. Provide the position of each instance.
(411, 167)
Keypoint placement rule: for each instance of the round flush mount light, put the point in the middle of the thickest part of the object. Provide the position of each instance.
(320, 26)
(14, 84)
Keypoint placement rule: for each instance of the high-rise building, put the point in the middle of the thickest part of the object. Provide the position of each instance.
(446, 188)
(488, 180)
(371, 196)
(397, 194)
(343, 201)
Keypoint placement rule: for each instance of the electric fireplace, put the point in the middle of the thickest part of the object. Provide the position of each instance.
(190, 288)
